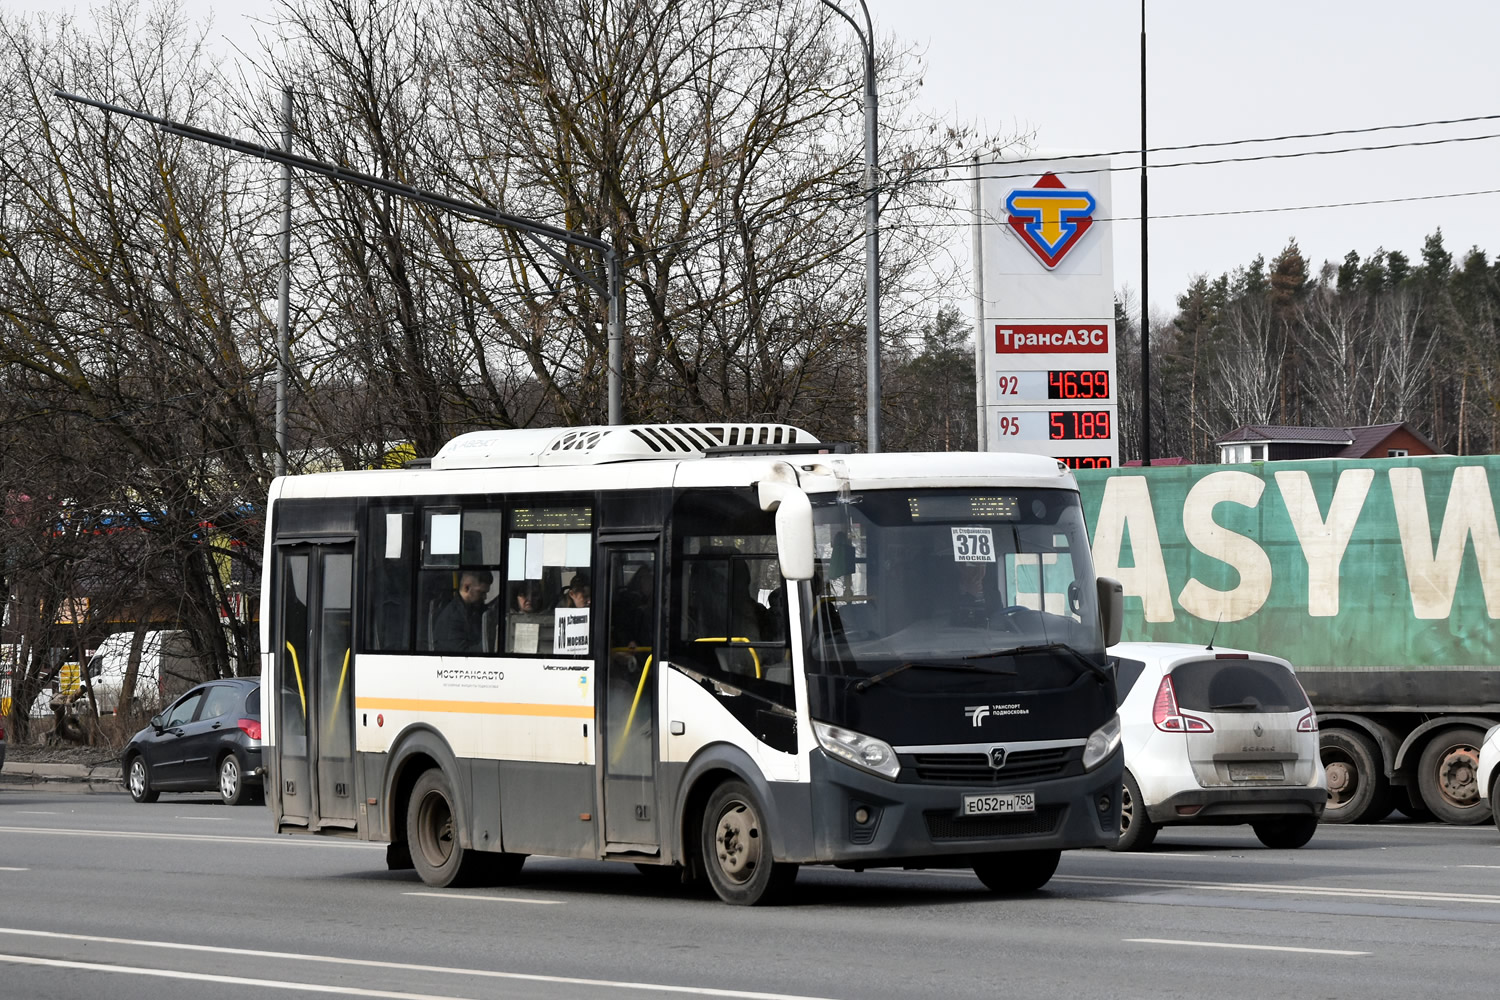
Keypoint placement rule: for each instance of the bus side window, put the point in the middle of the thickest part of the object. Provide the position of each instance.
(729, 601)
(548, 580)
(388, 593)
(458, 596)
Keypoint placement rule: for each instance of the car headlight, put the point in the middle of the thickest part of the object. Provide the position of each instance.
(875, 756)
(1101, 744)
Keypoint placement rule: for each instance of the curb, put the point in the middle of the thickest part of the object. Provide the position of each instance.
(80, 777)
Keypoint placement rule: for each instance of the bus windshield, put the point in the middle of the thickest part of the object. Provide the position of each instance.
(953, 578)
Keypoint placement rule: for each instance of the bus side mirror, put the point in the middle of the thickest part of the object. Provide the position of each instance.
(794, 527)
(1111, 608)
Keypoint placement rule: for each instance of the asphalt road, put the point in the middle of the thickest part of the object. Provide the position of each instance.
(104, 898)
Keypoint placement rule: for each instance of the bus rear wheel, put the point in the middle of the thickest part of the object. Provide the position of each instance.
(736, 849)
(432, 835)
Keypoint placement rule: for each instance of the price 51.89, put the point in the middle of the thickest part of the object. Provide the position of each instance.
(1077, 425)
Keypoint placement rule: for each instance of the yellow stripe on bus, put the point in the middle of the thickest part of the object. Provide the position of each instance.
(474, 707)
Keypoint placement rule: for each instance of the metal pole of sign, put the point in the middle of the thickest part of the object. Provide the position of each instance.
(981, 431)
(615, 308)
(1145, 285)
(284, 303)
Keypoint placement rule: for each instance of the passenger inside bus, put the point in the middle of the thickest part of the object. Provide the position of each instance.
(579, 592)
(529, 625)
(459, 626)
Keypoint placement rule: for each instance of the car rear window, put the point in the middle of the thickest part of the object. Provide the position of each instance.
(252, 704)
(1230, 685)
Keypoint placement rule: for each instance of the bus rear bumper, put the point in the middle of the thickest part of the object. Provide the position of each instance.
(861, 820)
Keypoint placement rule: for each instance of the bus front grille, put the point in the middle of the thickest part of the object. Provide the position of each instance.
(942, 824)
(974, 768)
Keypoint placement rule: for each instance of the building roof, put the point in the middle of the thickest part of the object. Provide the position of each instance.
(1280, 434)
(1366, 438)
(1357, 441)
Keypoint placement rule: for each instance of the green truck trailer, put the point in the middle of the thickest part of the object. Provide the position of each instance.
(1378, 579)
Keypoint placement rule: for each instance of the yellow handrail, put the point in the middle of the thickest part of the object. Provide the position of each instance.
(296, 669)
(754, 656)
(640, 686)
(338, 694)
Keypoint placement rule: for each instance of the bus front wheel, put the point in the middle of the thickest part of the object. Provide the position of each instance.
(736, 849)
(432, 834)
(1016, 871)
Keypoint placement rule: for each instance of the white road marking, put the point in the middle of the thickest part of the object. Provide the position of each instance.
(1245, 947)
(1396, 895)
(288, 956)
(286, 841)
(15, 869)
(206, 819)
(206, 977)
(487, 899)
(1477, 866)
(35, 812)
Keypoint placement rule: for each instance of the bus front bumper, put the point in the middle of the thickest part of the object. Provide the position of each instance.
(862, 820)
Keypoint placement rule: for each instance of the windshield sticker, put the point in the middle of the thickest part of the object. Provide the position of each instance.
(972, 545)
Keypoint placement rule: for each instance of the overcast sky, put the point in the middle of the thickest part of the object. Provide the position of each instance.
(1217, 71)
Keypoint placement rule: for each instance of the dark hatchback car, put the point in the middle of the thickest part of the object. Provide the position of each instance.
(207, 740)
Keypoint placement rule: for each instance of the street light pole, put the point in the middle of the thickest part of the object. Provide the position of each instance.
(872, 229)
(284, 304)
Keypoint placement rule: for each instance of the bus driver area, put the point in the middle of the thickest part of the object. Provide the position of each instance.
(715, 650)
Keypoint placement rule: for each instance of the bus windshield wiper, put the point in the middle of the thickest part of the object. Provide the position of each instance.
(1052, 647)
(870, 682)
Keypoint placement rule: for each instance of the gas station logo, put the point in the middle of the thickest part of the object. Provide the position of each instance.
(1050, 218)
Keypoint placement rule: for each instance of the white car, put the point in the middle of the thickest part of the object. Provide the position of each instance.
(1214, 737)
(1489, 758)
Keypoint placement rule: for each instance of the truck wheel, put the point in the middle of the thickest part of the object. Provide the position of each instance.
(1447, 776)
(1358, 790)
(736, 849)
(1137, 832)
(1286, 834)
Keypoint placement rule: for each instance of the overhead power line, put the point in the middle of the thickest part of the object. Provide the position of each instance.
(1206, 163)
(1265, 211)
(1241, 142)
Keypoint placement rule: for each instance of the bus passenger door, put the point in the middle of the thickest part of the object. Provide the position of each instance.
(627, 737)
(314, 751)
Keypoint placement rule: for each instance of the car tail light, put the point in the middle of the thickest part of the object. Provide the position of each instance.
(1231, 656)
(251, 728)
(2, 730)
(1308, 723)
(1167, 717)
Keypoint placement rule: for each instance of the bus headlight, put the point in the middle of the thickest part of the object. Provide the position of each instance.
(875, 756)
(1101, 744)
